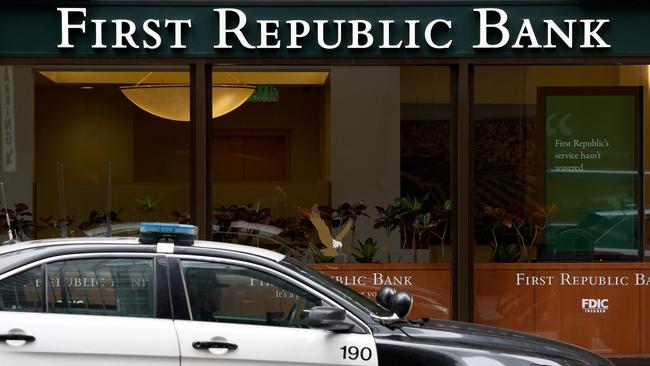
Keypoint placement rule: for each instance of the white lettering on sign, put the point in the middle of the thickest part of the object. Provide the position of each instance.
(553, 29)
(642, 279)
(269, 35)
(428, 33)
(125, 30)
(361, 28)
(496, 30)
(66, 26)
(484, 26)
(501, 36)
(8, 116)
(294, 34)
(237, 30)
(361, 36)
(178, 31)
(567, 279)
(375, 279)
(595, 305)
(380, 279)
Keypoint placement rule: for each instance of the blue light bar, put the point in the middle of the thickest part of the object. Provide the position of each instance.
(152, 232)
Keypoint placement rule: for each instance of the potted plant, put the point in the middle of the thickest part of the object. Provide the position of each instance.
(513, 230)
(365, 251)
(387, 219)
(432, 226)
(350, 212)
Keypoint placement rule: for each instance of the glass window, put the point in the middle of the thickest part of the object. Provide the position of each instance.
(22, 292)
(356, 157)
(102, 144)
(332, 284)
(234, 294)
(114, 287)
(558, 197)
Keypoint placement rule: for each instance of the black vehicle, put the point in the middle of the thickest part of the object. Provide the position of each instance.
(124, 301)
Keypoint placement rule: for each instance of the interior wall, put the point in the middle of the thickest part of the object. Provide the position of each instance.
(365, 146)
(84, 129)
(421, 84)
(18, 183)
(518, 84)
(300, 112)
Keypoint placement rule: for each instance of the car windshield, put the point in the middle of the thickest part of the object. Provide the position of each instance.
(347, 293)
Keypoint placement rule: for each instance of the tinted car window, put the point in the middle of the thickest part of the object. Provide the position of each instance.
(234, 294)
(22, 292)
(115, 287)
(347, 293)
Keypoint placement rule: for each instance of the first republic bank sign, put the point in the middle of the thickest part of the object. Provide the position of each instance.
(234, 29)
(106, 29)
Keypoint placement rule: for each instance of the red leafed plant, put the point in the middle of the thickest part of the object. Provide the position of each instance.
(526, 224)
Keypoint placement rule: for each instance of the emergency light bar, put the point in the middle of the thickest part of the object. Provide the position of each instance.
(180, 234)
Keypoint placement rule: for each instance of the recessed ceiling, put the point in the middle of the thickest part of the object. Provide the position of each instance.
(176, 77)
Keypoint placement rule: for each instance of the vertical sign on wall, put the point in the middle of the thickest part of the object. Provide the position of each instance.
(592, 172)
(8, 116)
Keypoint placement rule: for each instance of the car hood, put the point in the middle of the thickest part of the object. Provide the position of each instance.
(498, 340)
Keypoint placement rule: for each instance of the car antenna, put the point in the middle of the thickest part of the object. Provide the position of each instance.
(109, 228)
(10, 232)
(63, 228)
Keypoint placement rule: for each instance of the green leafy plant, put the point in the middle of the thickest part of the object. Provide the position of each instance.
(434, 224)
(387, 219)
(146, 204)
(365, 251)
(507, 253)
(347, 211)
(317, 255)
(409, 210)
(421, 222)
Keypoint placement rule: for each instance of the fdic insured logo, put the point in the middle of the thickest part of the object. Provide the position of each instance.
(595, 305)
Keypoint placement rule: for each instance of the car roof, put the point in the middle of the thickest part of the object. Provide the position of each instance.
(35, 244)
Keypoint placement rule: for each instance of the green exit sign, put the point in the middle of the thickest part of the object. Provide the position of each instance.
(265, 93)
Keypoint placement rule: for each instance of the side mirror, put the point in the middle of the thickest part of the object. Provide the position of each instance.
(328, 318)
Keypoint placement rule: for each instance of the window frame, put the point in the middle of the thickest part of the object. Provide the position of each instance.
(360, 327)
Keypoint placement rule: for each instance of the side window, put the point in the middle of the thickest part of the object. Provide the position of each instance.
(107, 286)
(234, 294)
(22, 292)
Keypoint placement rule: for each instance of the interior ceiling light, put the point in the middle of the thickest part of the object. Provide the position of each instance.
(172, 101)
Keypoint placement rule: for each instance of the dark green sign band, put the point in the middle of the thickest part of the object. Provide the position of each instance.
(323, 31)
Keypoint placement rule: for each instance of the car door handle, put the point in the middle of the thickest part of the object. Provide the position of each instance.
(210, 344)
(17, 337)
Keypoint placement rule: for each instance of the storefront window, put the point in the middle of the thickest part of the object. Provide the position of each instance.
(359, 155)
(104, 155)
(558, 203)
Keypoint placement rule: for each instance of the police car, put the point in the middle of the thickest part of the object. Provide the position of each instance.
(165, 299)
